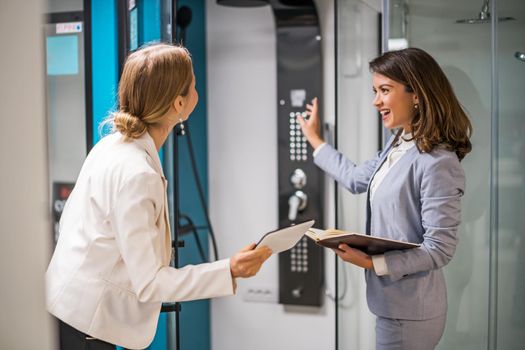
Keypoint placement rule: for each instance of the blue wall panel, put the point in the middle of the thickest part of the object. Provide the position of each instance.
(104, 60)
(195, 315)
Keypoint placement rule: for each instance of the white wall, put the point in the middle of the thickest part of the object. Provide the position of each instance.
(25, 226)
(242, 89)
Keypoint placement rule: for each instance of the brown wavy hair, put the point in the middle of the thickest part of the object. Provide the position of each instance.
(152, 78)
(440, 120)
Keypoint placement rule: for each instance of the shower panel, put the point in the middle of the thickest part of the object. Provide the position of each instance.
(300, 182)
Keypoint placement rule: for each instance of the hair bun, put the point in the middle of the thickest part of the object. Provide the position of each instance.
(129, 125)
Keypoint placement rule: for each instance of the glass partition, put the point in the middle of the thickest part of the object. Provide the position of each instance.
(463, 51)
(358, 137)
(510, 180)
(479, 44)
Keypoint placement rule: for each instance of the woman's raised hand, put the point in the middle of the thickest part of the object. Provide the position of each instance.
(311, 127)
(248, 261)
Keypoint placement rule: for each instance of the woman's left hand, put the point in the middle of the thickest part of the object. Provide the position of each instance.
(354, 256)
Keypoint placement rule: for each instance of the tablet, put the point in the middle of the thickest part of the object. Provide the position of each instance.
(285, 238)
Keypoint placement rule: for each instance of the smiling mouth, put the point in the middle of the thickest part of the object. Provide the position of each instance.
(385, 113)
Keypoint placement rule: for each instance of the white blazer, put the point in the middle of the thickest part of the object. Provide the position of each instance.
(110, 270)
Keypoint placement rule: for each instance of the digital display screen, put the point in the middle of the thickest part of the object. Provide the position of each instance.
(62, 55)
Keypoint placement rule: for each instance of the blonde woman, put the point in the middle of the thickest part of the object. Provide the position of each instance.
(110, 270)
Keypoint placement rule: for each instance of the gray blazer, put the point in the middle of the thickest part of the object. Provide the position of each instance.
(419, 202)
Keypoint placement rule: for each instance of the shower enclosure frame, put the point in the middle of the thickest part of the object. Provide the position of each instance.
(495, 307)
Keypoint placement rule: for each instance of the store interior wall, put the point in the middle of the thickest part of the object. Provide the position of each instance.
(25, 241)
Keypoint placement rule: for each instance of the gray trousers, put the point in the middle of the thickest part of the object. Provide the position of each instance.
(392, 334)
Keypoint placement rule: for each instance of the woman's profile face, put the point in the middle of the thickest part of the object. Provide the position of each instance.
(395, 104)
(191, 99)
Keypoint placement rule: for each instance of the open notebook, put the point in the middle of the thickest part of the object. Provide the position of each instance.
(371, 245)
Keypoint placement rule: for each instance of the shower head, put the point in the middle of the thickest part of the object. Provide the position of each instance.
(243, 3)
(484, 16)
(520, 56)
(481, 20)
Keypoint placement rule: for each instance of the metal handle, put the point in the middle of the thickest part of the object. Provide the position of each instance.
(298, 179)
(297, 202)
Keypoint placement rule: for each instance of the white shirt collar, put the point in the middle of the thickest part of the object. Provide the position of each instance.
(403, 144)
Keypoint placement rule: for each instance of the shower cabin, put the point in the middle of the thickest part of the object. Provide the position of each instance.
(480, 45)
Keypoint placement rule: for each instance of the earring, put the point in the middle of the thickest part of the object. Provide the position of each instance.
(181, 122)
(416, 106)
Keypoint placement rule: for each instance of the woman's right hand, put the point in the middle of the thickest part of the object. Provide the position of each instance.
(311, 127)
(248, 261)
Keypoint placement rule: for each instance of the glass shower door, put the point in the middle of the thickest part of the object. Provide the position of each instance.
(358, 137)
(486, 294)
(510, 176)
(463, 50)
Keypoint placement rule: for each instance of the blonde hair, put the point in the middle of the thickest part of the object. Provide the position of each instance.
(152, 78)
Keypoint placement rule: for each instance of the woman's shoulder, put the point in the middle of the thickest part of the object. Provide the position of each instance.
(124, 157)
(440, 159)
